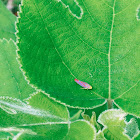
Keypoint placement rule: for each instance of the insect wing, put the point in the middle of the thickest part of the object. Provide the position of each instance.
(83, 84)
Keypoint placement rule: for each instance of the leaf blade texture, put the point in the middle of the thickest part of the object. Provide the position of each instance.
(36, 118)
(114, 124)
(12, 83)
(78, 130)
(99, 47)
(7, 23)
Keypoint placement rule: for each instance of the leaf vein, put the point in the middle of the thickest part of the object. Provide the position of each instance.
(128, 89)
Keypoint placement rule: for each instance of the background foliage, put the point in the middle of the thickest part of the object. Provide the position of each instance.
(27, 113)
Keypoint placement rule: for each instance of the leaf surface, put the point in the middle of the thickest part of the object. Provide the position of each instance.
(99, 46)
(8, 134)
(7, 23)
(37, 118)
(114, 124)
(81, 130)
(138, 137)
(132, 129)
(100, 136)
(12, 81)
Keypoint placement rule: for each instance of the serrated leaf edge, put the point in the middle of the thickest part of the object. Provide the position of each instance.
(125, 110)
(8, 41)
(27, 109)
(100, 131)
(126, 130)
(35, 93)
(121, 117)
(26, 78)
(67, 6)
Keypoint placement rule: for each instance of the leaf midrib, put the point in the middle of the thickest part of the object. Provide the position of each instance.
(54, 43)
(110, 43)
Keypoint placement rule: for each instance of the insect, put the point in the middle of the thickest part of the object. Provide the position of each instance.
(83, 84)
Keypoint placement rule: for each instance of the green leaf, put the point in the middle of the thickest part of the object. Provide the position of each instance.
(74, 111)
(114, 124)
(73, 7)
(76, 116)
(129, 117)
(4, 135)
(100, 136)
(12, 81)
(85, 117)
(100, 46)
(7, 23)
(98, 110)
(138, 137)
(91, 120)
(37, 118)
(132, 129)
(81, 130)
(8, 134)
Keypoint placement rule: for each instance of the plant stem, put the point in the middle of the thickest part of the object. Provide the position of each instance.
(109, 104)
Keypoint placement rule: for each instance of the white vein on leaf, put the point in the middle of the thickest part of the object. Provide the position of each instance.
(110, 43)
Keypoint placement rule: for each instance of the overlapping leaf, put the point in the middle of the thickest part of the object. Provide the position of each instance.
(12, 81)
(42, 118)
(114, 124)
(100, 136)
(81, 130)
(132, 129)
(37, 118)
